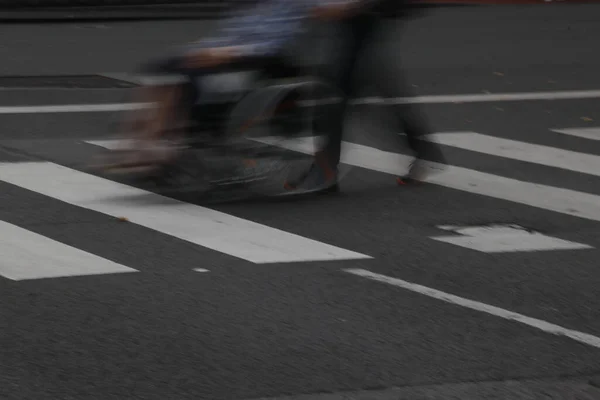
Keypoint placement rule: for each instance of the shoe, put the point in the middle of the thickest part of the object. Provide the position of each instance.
(318, 178)
(419, 171)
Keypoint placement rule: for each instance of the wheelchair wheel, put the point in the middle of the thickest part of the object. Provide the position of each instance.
(272, 128)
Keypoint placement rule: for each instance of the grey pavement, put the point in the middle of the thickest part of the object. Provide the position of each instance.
(309, 330)
(114, 12)
(448, 51)
(567, 389)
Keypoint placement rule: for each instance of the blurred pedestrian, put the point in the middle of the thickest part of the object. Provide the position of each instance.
(358, 20)
(256, 35)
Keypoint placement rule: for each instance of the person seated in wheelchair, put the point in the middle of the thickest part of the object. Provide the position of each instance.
(254, 38)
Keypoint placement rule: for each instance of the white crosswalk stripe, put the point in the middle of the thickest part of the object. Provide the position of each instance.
(586, 133)
(199, 225)
(570, 202)
(521, 151)
(33, 256)
(504, 239)
(27, 255)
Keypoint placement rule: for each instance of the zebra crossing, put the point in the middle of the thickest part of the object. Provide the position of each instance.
(29, 255)
(565, 201)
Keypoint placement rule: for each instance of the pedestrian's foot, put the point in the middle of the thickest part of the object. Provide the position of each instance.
(419, 171)
(318, 178)
(141, 155)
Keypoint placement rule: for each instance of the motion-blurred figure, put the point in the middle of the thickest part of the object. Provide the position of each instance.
(256, 36)
(358, 21)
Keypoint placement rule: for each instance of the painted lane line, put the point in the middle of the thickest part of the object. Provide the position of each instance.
(482, 307)
(203, 226)
(504, 238)
(478, 306)
(111, 144)
(431, 99)
(27, 255)
(521, 151)
(586, 133)
(72, 108)
(491, 97)
(564, 201)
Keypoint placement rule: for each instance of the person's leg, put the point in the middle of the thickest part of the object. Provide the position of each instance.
(322, 175)
(416, 129)
(356, 34)
(410, 120)
(163, 83)
(147, 127)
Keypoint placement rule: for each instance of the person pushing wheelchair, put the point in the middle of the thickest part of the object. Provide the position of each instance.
(358, 21)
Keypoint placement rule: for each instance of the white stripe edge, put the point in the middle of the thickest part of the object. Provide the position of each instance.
(430, 99)
(548, 327)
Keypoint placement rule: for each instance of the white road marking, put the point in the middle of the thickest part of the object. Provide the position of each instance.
(432, 99)
(586, 133)
(110, 144)
(504, 238)
(489, 97)
(209, 228)
(27, 255)
(516, 150)
(580, 337)
(72, 108)
(564, 201)
(201, 270)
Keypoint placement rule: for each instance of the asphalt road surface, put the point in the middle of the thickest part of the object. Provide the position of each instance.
(379, 292)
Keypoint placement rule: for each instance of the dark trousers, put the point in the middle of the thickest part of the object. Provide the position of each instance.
(357, 33)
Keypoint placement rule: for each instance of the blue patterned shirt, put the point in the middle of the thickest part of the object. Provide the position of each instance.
(265, 28)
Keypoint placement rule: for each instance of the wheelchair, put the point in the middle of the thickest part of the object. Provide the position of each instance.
(239, 124)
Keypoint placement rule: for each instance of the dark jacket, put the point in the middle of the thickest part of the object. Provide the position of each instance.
(395, 8)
